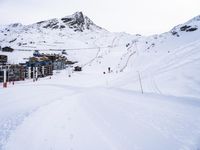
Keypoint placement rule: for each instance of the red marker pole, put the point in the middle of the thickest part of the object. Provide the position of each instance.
(4, 79)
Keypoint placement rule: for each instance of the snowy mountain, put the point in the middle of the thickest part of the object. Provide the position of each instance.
(190, 26)
(65, 32)
(168, 63)
(71, 32)
(84, 40)
(181, 34)
(50, 32)
(77, 22)
(149, 101)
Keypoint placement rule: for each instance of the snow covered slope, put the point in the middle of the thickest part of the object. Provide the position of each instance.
(47, 34)
(80, 113)
(75, 33)
(169, 63)
(92, 110)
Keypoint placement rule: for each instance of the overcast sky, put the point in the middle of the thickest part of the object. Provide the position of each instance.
(133, 16)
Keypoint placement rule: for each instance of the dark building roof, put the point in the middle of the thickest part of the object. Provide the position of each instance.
(7, 49)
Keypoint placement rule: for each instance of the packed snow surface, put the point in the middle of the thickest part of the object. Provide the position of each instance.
(149, 101)
(90, 114)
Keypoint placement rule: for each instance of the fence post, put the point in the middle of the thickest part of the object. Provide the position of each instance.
(29, 72)
(4, 78)
(33, 74)
(36, 73)
(43, 71)
(140, 82)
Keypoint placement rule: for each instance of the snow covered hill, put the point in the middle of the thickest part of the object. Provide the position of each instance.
(168, 63)
(75, 32)
(52, 33)
(92, 110)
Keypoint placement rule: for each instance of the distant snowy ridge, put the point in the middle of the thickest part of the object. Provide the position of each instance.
(77, 22)
(78, 32)
(189, 26)
(78, 29)
(149, 100)
(49, 33)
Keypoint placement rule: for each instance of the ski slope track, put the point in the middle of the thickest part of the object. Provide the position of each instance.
(150, 100)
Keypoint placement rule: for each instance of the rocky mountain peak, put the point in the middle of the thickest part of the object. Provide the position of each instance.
(78, 22)
(190, 26)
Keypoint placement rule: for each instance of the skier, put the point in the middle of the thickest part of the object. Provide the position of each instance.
(108, 69)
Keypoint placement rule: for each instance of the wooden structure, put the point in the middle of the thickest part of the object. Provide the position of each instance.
(77, 68)
(13, 72)
(29, 70)
(59, 65)
(39, 67)
(36, 53)
(16, 73)
(2, 68)
(3, 59)
(7, 49)
(64, 52)
(58, 61)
